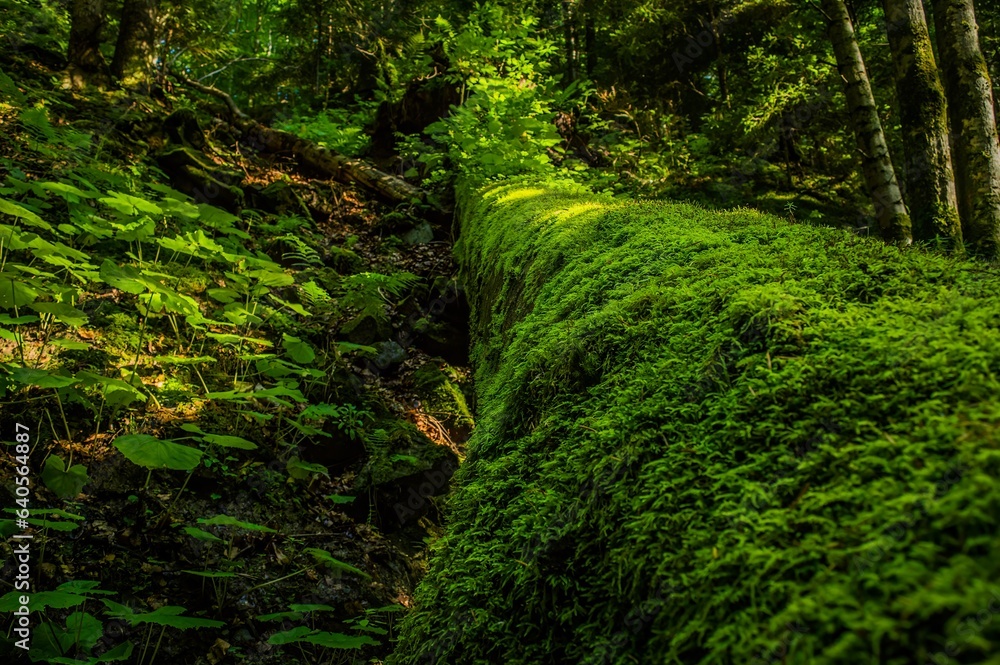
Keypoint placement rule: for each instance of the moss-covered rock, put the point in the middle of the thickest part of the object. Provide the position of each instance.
(439, 387)
(711, 437)
(405, 471)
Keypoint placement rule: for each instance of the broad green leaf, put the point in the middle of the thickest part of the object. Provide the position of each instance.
(15, 293)
(272, 278)
(327, 559)
(298, 350)
(311, 608)
(347, 347)
(290, 636)
(86, 587)
(295, 307)
(121, 652)
(280, 616)
(227, 338)
(152, 453)
(15, 210)
(170, 615)
(124, 278)
(8, 320)
(40, 378)
(84, 629)
(300, 470)
(198, 534)
(227, 441)
(226, 520)
(62, 312)
(53, 526)
(46, 642)
(65, 483)
(340, 498)
(223, 295)
(216, 218)
(129, 205)
(40, 600)
(68, 192)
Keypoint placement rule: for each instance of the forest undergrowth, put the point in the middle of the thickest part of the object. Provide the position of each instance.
(241, 417)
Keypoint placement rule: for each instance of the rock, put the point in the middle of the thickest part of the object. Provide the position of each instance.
(419, 235)
(390, 355)
(438, 386)
(406, 471)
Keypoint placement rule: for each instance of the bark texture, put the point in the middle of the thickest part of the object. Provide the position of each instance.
(923, 109)
(86, 64)
(879, 175)
(975, 151)
(135, 36)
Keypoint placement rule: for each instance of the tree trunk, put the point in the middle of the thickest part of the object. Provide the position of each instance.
(590, 44)
(880, 177)
(975, 150)
(923, 111)
(569, 37)
(135, 36)
(86, 64)
(720, 58)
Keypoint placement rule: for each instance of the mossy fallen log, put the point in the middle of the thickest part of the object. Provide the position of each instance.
(712, 437)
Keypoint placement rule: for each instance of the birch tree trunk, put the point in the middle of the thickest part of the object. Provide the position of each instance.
(975, 151)
(930, 181)
(879, 176)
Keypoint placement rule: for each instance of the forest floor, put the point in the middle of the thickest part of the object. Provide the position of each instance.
(324, 519)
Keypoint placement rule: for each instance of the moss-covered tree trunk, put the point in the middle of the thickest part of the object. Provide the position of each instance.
(879, 175)
(976, 153)
(923, 110)
(703, 437)
(135, 36)
(86, 64)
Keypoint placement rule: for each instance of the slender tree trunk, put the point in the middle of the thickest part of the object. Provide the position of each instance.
(569, 37)
(590, 44)
(923, 111)
(720, 58)
(975, 151)
(135, 36)
(880, 177)
(86, 64)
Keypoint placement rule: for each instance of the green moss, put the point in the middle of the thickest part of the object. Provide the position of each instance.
(119, 334)
(712, 438)
(438, 388)
(396, 451)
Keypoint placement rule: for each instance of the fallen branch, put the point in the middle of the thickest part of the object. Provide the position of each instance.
(337, 166)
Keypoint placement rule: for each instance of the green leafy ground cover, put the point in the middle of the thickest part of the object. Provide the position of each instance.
(712, 438)
(208, 444)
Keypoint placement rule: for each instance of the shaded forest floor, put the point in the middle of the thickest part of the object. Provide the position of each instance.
(326, 483)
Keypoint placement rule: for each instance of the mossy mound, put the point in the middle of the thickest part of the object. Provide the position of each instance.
(716, 438)
(438, 385)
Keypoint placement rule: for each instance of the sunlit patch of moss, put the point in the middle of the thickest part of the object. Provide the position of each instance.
(119, 334)
(439, 389)
(190, 279)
